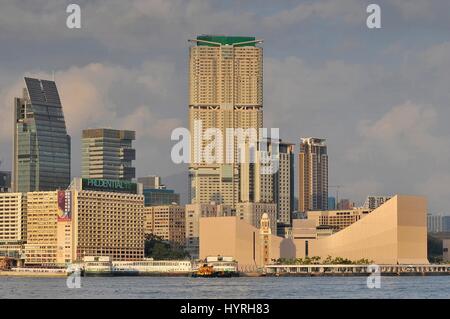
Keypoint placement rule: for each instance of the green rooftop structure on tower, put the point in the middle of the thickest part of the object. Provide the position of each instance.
(214, 40)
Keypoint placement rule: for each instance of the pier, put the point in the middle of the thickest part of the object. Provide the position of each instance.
(356, 270)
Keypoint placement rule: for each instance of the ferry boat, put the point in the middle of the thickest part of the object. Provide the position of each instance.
(217, 267)
(98, 266)
(149, 267)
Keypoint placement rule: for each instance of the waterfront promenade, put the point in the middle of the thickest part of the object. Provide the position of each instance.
(269, 270)
(356, 270)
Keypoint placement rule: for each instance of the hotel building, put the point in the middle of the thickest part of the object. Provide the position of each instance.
(108, 224)
(41, 160)
(166, 222)
(91, 218)
(108, 154)
(225, 91)
(313, 175)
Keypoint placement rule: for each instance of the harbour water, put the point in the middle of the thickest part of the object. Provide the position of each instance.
(235, 288)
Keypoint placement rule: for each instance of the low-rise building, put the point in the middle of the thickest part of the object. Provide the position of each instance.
(394, 233)
(193, 214)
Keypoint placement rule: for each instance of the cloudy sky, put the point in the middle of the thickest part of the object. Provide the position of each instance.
(380, 97)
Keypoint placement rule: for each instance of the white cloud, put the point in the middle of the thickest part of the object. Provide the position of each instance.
(86, 94)
(344, 11)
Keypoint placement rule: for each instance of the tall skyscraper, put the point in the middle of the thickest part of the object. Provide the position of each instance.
(278, 187)
(41, 144)
(225, 91)
(284, 184)
(108, 154)
(313, 174)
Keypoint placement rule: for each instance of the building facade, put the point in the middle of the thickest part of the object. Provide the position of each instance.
(166, 222)
(13, 224)
(5, 181)
(284, 184)
(445, 250)
(252, 213)
(108, 224)
(88, 219)
(394, 233)
(151, 182)
(108, 154)
(332, 203)
(345, 204)
(156, 194)
(434, 223)
(41, 160)
(269, 178)
(313, 174)
(193, 214)
(225, 92)
(42, 222)
(337, 219)
(438, 223)
(158, 197)
(373, 202)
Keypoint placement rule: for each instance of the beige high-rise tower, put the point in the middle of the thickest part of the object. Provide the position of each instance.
(225, 91)
(313, 175)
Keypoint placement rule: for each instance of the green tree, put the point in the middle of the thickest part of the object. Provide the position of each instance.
(158, 249)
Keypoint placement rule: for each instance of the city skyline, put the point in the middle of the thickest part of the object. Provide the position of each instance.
(387, 109)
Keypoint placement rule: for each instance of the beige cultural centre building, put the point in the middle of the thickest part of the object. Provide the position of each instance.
(394, 233)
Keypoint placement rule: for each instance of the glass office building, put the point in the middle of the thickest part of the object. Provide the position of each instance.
(41, 143)
(158, 197)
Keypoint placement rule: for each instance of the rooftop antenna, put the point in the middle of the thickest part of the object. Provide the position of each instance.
(53, 75)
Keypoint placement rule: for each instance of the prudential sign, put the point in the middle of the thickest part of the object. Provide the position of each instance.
(109, 185)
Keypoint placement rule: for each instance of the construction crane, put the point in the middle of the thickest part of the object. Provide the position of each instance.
(337, 192)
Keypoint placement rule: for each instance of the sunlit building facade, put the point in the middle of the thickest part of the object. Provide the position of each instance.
(225, 91)
(313, 174)
(108, 154)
